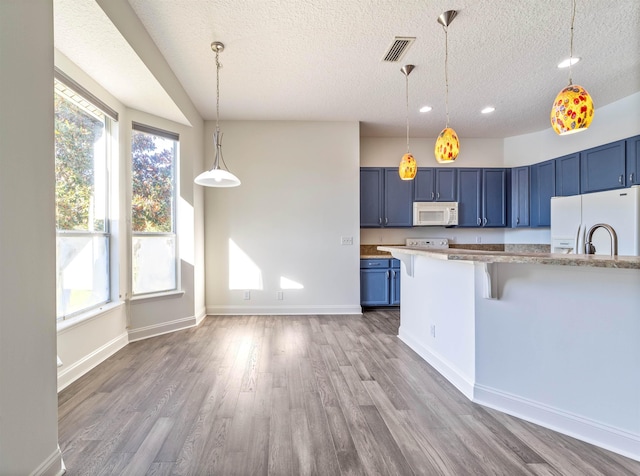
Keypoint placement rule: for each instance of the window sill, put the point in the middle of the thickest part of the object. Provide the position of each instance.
(166, 294)
(66, 324)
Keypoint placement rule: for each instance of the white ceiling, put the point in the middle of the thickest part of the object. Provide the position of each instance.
(321, 59)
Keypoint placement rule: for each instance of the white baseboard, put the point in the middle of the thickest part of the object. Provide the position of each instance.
(280, 310)
(446, 369)
(605, 436)
(200, 315)
(74, 371)
(52, 466)
(163, 328)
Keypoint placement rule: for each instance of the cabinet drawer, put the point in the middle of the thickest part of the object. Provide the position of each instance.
(395, 263)
(374, 263)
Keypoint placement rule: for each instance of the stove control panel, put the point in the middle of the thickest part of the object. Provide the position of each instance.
(427, 242)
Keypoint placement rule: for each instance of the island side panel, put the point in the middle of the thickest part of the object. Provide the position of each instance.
(563, 344)
(437, 317)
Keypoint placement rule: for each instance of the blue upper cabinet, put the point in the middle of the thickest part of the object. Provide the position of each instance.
(435, 184)
(446, 184)
(495, 196)
(633, 161)
(543, 187)
(603, 168)
(482, 197)
(520, 197)
(398, 199)
(469, 197)
(568, 175)
(371, 192)
(425, 186)
(385, 199)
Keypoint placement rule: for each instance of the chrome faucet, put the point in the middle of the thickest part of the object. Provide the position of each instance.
(588, 245)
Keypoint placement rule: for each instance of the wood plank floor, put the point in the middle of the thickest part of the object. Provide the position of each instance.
(297, 395)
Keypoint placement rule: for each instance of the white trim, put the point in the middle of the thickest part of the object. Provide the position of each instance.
(52, 466)
(281, 310)
(163, 328)
(591, 431)
(200, 315)
(74, 371)
(459, 380)
(66, 324)
(162, 294)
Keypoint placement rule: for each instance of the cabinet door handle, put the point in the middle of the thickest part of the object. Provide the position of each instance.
(379, 221)
(518, 221)
(438, 195)
(484, 221)
(479, 221)
(387, 274)
(432, 197)
(386, 221)
(620, 179)
(631, 177)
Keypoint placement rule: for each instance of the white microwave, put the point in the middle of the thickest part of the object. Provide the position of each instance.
(435, 213)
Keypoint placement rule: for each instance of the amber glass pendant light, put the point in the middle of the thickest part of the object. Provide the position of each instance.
(572, 110)
(447, 144)
(408, 166)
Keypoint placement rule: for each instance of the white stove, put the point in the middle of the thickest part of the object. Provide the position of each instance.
(428, 243)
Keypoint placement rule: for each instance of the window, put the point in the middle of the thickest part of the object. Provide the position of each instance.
(153, 204)
(82, 131)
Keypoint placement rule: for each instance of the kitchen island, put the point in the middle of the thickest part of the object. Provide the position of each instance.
(551, 338)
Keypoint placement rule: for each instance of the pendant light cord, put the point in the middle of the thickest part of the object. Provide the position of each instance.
(406, 77)
(218, 65)
(446, 72)
(573, 16)
(218, 136)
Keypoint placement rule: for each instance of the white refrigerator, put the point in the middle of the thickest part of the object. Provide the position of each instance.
(572, 217)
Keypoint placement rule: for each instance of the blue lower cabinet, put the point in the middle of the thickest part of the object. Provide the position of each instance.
(379, 282)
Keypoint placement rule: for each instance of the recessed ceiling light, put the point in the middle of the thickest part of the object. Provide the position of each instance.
(488, 109)
(569, 61)
(425, 108)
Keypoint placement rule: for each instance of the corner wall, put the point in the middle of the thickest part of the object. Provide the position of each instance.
(28, 400)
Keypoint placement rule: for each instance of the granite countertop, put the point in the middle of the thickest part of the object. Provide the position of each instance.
(453, 254)
(373, 251)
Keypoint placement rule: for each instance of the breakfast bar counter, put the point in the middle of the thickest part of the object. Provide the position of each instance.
(550, 338)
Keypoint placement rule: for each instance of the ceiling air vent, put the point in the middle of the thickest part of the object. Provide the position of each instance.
(398, 48)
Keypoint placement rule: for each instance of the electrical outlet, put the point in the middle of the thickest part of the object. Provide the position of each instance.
(346, 240)
(280, 295)
(433, 331)
(478, 239)
(247, 295)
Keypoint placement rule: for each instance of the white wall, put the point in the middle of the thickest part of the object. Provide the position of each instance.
(299, 196)
(28, 401)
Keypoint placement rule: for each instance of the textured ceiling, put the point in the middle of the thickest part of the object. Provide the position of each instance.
(321, 59)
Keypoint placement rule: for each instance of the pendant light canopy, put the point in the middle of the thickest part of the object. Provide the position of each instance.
(447, 144)
(217, 176)
(408, 167)
(572, 110)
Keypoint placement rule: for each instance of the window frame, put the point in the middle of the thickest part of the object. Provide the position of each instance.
(110, 120)
(175, 137)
